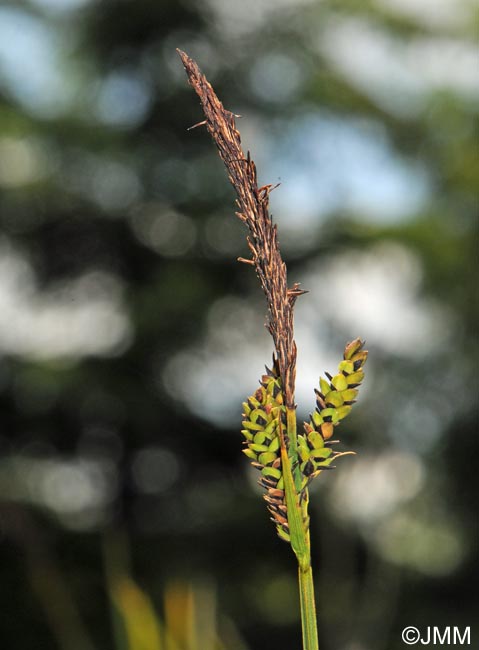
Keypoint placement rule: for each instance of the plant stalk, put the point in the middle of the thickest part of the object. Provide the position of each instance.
(302, 550)
(308, 609)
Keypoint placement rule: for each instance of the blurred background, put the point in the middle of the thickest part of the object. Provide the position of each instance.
(129, 335)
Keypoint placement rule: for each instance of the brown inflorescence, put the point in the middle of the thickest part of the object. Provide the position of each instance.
(253, 204)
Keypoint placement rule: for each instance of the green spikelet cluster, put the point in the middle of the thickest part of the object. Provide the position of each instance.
(333, 403)
(262, 413)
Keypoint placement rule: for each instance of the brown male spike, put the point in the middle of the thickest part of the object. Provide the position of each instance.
(253, 204)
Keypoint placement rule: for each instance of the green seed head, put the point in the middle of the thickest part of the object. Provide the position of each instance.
(262, 413)
(333, 403)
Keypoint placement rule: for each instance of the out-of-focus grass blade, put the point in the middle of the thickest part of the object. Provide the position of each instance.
(190, 616)
(142, 626)
(191, 621)
(136, 625)
(179, 617)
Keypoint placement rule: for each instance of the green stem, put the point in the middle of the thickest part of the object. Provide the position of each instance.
(308, 609)
(299, 531)
(293, 447)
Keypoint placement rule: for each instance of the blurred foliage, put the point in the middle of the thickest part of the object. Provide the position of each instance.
(189, 611)
(129, 335)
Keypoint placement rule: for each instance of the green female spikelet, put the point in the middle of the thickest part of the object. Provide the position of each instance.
(262, 413)
(264, 410)
(333, 403)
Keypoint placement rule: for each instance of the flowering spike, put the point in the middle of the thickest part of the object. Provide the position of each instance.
(333, 404)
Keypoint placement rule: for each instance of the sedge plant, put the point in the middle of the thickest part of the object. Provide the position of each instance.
(287, 460)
